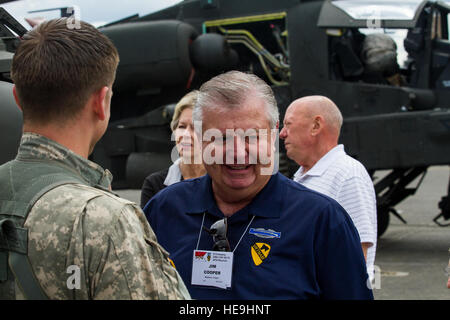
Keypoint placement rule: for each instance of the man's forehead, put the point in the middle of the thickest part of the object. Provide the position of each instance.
(299, 110)
(248, 102)
(239, 129)
(242, 117)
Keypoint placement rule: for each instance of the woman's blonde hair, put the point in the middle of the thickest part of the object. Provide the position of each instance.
(188, 101)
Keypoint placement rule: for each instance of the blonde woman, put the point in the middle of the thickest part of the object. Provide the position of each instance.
(187, 146)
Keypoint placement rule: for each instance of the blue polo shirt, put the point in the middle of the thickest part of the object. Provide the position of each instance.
(300, 244)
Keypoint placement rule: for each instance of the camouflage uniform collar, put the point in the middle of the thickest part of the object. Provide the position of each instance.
(36, 147)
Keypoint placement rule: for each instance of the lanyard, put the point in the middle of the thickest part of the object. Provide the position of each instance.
(201, 227)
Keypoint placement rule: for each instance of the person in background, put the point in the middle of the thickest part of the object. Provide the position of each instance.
(310, 133)
(189, 165)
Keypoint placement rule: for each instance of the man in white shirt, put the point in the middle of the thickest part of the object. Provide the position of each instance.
(311, 131)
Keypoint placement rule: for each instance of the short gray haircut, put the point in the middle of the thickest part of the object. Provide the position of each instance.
(230, 90)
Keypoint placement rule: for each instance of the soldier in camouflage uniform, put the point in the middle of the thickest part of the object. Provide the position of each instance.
(63, 81)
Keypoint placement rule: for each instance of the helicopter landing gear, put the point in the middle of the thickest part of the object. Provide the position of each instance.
(392, 189)
(444, 205)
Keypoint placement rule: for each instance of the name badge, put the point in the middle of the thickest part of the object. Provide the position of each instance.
(212, 268)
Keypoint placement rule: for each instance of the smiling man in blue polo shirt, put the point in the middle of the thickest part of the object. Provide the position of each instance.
(241, 232)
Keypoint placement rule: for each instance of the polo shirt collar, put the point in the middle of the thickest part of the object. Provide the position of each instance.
(267, 203)
(323, 164)
(205, 202)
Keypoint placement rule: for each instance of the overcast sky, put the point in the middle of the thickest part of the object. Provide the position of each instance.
(95, 12)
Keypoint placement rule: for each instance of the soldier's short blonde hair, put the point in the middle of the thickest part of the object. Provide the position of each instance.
(56, 68)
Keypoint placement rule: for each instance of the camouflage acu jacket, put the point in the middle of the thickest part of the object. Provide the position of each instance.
(87, 243)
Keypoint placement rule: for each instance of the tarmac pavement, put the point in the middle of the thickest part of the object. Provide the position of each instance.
(412, 258)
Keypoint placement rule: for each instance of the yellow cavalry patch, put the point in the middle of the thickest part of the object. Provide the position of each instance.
(259, 251)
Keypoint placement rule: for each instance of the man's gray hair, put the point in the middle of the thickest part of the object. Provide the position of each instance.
(230, 90)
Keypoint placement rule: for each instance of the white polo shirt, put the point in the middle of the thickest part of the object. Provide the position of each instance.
(345, 179)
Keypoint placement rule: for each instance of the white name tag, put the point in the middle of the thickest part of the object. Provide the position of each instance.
(212, 268)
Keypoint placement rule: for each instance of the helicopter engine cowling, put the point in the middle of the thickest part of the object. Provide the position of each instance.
(210, 51)
(152, 53)
(10, 122)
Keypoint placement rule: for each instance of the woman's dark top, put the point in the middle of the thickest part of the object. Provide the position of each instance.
(152, 184)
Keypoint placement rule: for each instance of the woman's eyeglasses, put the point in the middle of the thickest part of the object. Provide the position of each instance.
(218, 231)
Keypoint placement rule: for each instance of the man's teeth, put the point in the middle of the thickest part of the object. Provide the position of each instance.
(238, 167)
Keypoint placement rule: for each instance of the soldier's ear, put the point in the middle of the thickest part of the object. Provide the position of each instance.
(100, 103)
(16, 98)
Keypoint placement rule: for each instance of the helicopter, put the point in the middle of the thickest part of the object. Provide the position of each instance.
(396, 115)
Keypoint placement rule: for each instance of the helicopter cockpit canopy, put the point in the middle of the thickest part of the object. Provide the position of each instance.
(371, 14)
(420, 30)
